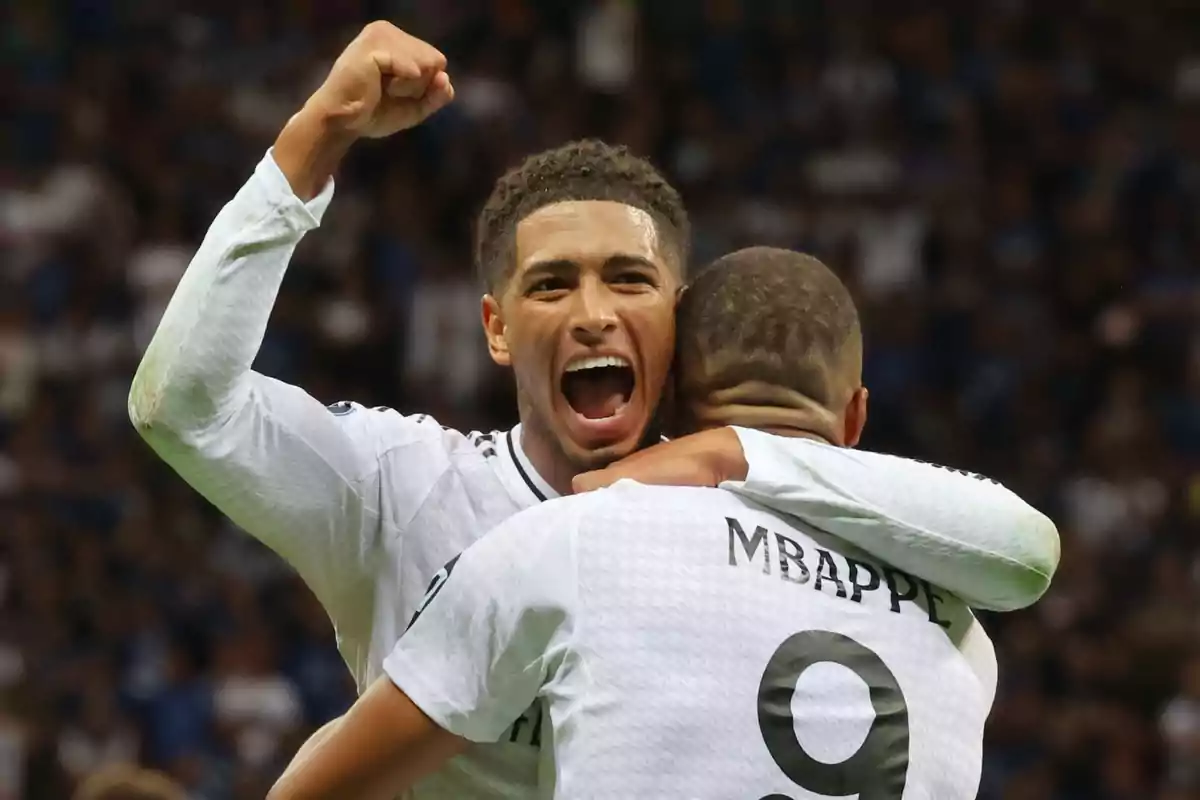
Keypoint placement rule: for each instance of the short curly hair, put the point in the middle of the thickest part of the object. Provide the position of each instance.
(588, 169)
(767, 315)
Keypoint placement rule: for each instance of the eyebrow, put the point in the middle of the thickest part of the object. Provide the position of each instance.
(559, 266)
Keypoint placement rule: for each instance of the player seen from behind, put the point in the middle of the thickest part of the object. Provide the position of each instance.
(690, 643)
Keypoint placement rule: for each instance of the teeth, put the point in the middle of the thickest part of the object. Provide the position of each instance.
(595, 362)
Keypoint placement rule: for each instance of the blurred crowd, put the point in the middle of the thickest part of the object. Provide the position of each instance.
(1011, 188)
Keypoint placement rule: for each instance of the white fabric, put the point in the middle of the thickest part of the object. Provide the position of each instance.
(961, 531)
(646, 617)
(367, 504)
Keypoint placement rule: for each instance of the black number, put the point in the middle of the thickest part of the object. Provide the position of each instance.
(878, 769)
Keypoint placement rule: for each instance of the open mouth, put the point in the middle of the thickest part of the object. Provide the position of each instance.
(598, 387)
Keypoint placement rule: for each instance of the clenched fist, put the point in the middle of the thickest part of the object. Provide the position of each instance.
(383, 82)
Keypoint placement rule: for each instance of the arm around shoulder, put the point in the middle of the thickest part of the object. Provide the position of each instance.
(961, 531)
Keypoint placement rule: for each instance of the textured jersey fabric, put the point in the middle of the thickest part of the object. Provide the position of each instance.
(367, 504)
(966, 533)
(690, 644)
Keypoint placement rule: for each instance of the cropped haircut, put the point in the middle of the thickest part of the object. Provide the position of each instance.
(584, 170)
(768, 315)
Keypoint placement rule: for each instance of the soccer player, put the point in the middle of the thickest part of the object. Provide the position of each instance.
(690, 643)
(582, 250)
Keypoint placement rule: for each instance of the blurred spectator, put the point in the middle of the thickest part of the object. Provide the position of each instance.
(1011, 189)
(128, 783)
(97, 736)
(254, 705)
(1180, 725)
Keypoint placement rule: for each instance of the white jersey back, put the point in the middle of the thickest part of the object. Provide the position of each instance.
(693, 645)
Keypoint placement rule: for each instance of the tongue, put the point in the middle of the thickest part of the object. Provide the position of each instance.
(597, 396)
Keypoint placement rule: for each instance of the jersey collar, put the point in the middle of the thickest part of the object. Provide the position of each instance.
(521, 474)
(526, 476)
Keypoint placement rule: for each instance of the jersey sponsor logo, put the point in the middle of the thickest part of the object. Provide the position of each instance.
(824, 570)
(435, 586)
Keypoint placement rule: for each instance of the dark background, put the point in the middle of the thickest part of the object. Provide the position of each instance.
(1010, 187)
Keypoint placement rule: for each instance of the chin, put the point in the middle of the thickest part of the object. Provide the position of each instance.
(585, 459)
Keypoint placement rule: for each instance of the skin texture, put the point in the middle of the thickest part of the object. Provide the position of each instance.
(590, 278)
(778, 410)
(383, 742)
(713, 453)
(386, 81)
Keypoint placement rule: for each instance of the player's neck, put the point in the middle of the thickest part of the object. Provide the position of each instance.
(812, 422)
(548, 459)
(795, 433)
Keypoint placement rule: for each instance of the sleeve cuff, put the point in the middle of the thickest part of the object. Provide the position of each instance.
(407, 678)
(764, 458)
(279, 193)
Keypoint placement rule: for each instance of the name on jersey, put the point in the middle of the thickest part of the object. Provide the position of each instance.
(831, 573)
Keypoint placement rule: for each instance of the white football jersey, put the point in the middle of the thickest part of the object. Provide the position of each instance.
(691, 644)
(367, 504)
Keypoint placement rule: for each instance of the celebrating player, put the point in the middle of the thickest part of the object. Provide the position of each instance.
(583, 249)
(690, 643)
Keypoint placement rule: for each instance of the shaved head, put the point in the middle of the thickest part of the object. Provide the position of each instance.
(767, 327)
(770, 316)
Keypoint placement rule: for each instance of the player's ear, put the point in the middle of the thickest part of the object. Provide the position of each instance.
(856, 416)
(494, 329)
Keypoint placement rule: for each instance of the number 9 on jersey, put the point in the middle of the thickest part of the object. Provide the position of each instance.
(878, 769)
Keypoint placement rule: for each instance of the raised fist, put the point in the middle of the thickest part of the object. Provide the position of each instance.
(383, 82)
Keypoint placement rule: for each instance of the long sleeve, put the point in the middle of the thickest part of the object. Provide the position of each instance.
(960, 531)
(302, 478)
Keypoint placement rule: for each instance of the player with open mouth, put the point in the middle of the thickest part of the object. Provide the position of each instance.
(582, 250)
(599, 389)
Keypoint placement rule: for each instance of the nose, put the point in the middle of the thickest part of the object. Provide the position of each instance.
(594, 315)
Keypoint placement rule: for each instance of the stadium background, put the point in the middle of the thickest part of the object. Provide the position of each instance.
(1010, 187)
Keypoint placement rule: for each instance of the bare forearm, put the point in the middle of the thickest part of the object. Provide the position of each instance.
(309, 747)
(308, 151)
(380, 747)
